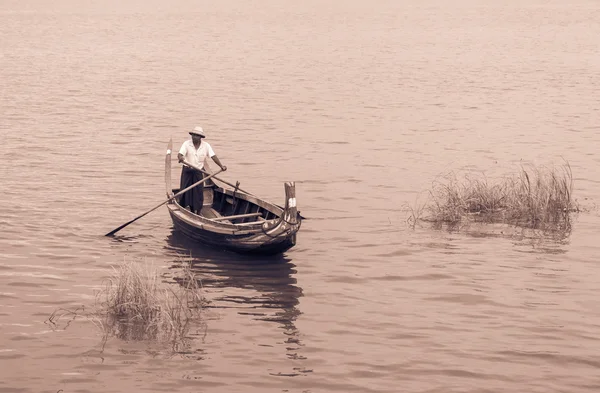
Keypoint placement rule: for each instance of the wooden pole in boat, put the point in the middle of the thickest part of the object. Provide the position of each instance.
(235, 186)
(216, 178)
(162, 203)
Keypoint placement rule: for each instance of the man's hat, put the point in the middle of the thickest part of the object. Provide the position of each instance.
(198, 131)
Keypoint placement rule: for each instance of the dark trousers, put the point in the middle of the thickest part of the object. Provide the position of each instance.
(193, 198)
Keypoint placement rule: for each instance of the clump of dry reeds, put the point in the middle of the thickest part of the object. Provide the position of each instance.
(538, 197)
(135, 304)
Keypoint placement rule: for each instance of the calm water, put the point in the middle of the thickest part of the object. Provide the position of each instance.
(363, 104)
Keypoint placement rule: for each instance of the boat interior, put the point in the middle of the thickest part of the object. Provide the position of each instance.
(229, 207)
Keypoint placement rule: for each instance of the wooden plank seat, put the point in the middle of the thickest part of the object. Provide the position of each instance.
(252, 222)
(237, 216)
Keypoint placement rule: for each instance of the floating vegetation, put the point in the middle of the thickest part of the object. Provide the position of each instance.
(537, 198)
(135, 304)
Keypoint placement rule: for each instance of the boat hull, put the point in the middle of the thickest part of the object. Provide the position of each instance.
(257, 243)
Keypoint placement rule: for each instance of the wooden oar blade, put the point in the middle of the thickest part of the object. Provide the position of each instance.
(119, 228)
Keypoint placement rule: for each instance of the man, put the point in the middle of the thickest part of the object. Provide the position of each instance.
(195, 152)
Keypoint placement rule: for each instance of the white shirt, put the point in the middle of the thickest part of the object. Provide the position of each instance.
(196, 157)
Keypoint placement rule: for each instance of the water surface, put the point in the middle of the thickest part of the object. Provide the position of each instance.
(363, 104)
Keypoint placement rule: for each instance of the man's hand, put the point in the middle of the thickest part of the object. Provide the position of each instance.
(224, 168)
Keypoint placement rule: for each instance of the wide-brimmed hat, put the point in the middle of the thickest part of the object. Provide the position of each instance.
(198, 131)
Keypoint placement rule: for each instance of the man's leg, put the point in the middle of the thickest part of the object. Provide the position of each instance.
(185, 199)
(198, 193)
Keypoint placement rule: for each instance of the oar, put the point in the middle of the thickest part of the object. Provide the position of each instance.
(226, 182)
(162, 203)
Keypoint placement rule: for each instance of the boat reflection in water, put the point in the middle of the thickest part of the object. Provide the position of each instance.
(261, 287)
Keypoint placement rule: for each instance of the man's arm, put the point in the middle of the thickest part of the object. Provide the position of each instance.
(216, 160)
(182, 152)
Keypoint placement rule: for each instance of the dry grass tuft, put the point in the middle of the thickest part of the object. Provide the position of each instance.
(135, 304)
(538, 198)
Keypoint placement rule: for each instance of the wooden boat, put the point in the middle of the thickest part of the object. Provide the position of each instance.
(235, 220)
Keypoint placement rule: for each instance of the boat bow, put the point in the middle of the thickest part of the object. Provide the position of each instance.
(290, 221)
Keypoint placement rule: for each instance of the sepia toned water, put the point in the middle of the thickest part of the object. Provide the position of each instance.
(362, 103)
